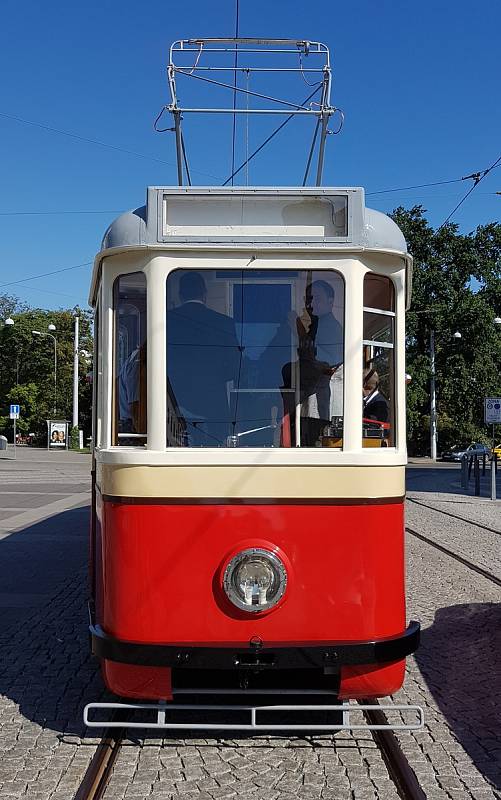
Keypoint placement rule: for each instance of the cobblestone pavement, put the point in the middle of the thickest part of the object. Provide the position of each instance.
(454, 676)
(45, 670)
(46, 676)
(479, 546)
(262, 768)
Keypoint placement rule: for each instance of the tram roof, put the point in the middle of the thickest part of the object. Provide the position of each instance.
(263, 218)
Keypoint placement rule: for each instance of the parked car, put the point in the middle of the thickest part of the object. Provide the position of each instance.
(496, 451)
(457, 452)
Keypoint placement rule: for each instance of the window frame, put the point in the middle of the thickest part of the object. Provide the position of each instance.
(256, 276)
(393, 402)
(142, 438)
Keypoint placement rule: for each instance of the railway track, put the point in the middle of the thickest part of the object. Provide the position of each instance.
(474, 567)
(98, 773)
(100, 769)
(454, 516)
(399, 769)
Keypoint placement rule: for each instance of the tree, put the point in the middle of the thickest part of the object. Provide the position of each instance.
(10, 305)
(456, 287)
(28, 361)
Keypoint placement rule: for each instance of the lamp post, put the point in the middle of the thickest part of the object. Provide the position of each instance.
(433, 398)
(75, 375)
(41, 333)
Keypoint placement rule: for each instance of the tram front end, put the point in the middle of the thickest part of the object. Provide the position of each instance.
(249, 446)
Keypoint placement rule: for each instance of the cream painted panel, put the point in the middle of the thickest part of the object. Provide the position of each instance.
(249, 482)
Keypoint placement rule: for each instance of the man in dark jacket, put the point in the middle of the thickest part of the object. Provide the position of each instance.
(375, 403)
(203, 355)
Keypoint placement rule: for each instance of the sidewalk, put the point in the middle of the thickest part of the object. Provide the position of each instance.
(38, 455)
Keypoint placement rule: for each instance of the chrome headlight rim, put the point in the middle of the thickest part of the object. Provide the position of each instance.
(278, 568)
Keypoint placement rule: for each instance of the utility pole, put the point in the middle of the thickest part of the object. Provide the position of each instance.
(433, 402)
(75, 375)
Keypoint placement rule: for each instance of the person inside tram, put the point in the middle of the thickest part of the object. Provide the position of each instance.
(203, 357)
(374, 402)
(132, 392)
(320, 350)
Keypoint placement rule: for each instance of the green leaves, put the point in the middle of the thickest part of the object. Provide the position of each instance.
(457, 287)
(27, 366)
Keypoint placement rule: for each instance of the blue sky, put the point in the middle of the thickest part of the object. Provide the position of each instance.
(418, 84)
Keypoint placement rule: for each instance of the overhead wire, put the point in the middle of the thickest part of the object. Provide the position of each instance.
(49, 291)
(417, 186)
(268, 139)
(477, 177)
(234, 127)
(45, 213)
(235, 88)
(95, 141)
(436, 183)
(46, 274)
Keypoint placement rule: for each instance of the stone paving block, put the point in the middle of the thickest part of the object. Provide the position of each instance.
(337, 794)
(223, 792)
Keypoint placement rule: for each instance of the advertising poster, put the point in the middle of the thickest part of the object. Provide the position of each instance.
(58, 434)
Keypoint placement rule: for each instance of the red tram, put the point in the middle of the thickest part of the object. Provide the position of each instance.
(248, 525)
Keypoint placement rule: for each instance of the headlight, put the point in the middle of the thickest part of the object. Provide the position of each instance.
(255, 580)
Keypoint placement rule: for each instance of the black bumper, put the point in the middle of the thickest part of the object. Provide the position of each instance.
(256, 655)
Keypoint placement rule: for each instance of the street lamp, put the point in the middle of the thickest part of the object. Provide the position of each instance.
(51, 327)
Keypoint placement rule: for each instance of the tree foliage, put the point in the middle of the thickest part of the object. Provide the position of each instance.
(27, 367)
(456, 288)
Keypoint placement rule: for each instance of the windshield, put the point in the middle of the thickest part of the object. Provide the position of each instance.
(255, 358)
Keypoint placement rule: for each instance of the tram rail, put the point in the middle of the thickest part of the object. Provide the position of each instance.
(454, 516)
(100, 770)
(98, 773)
(474, 567)
(397, 764)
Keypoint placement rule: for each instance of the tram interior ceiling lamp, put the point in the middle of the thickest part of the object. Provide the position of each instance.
(255, 580)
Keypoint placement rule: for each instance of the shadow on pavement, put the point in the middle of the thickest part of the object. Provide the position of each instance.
(45, 664)
(445, 480)
(459, 658)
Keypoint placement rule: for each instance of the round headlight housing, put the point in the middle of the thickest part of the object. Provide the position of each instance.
(255, 580)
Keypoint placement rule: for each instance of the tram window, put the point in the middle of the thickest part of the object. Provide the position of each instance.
(255, 358)
(378, 364)
(379, 292)
(130, 360)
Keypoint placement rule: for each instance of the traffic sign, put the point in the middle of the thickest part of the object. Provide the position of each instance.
(492, 410)
(14, 411)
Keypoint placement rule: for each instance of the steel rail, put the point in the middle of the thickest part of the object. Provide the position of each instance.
(455, 516)
(399, 769)
(483, 572)
(98, 773)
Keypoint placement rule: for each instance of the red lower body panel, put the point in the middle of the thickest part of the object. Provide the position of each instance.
(159, 580)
